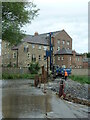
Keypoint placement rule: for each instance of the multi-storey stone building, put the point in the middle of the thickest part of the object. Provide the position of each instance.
(68, 58)
(33, 48)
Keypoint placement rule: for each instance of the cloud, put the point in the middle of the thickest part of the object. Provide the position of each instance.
(71, 15)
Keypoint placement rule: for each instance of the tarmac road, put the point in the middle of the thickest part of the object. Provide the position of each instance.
(21, 100)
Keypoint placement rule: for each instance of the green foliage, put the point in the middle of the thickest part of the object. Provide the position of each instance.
(88, 55)
(9, 65)
(14, 16)
(34, 67)
(81, 79)
(18, 76)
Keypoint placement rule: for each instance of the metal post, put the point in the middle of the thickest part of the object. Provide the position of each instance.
(50, 51)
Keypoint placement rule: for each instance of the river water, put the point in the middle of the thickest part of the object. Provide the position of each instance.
(19, 99)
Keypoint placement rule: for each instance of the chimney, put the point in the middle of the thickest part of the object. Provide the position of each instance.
(36, 33)
(74, 52)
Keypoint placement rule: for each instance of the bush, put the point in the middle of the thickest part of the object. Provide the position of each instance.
(34, 68)
(9, 65)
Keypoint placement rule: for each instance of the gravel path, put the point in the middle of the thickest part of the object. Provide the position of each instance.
(72, 88)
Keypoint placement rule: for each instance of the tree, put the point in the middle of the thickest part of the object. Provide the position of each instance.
(88, 55)
(14, 16)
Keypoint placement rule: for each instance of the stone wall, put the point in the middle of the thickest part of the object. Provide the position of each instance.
(15, 70)
(80, 71)
(25, 70)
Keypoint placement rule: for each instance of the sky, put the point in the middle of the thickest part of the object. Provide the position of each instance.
(70, 15)
(55, 15)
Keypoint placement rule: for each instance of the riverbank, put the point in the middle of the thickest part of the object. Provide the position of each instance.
(75, 92)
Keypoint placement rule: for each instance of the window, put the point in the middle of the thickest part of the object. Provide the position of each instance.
(58, 42)
(44, 57)
(5, 45)
(58, 48)
(77, 59)
(26, 49)
(58, 58)
(33, 58)
(70, 66)
(80, 66)
(28, 65)
(45, 48)
(62, 58)
(14, 55)
(28, 55)
(63, 42)
(33, 46)
(14, 64)
(39, 57)
(70, 58)
(68, 43)
(39, 47)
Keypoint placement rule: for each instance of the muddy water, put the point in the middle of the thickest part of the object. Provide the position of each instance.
(23, 101)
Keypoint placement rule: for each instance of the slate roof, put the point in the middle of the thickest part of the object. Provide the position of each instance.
(64, 51)
(37, 39)
(42, 39)
(86, 60)
(78, 54)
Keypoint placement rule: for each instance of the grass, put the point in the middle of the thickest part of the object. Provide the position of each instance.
(81, 79)
(18, 76)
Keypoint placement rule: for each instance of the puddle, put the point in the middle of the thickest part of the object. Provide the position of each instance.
(24, 103)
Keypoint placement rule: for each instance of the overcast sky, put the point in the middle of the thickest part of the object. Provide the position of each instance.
(71, 15)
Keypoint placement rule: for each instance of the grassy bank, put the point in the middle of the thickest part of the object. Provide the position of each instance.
(81, 79)
(18, 76)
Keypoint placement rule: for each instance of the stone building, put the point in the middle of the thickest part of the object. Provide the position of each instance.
(33, 48)
(86, 63)
(68, 58)
(26, 52)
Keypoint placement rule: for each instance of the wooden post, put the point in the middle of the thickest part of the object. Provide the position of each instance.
(47, 69)
(17, 57)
